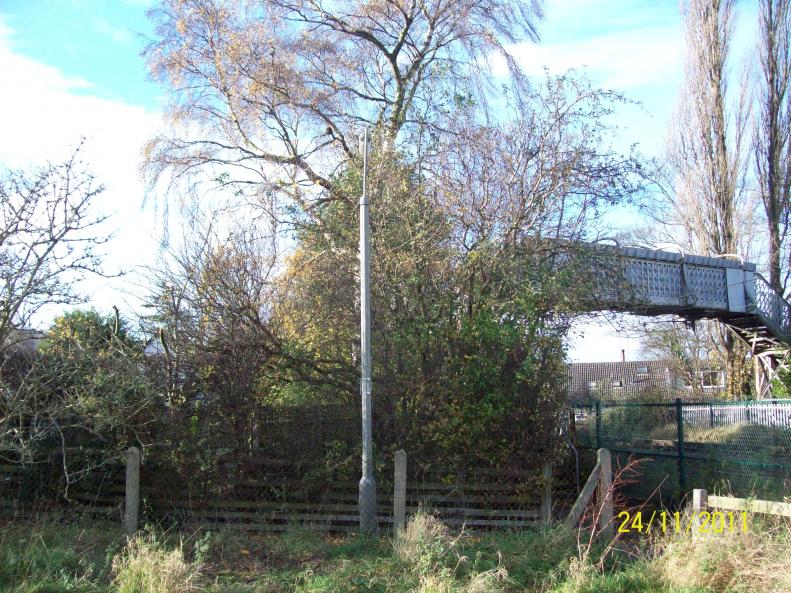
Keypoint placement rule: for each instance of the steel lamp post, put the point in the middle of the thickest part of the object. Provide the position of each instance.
(367, 492)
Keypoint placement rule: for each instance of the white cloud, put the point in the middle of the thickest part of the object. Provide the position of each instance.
(621, 60)
(600, 339)
(120, 35)
(635, 52)
(623, 44)
(43, 116)
(631, 47)
(139, 3)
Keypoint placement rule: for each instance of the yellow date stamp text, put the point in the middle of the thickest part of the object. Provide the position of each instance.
(669, 522)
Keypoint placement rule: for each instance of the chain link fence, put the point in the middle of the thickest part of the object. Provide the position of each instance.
(743, 448)
(301, 464)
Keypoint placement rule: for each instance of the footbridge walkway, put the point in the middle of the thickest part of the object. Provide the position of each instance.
(654, 282)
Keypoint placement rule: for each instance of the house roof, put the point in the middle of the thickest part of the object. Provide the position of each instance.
(616, 380)
(23, 341)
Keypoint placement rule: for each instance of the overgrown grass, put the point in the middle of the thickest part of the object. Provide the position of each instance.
(145, 566)
(751, 561)
(423, 558)
(54, 558)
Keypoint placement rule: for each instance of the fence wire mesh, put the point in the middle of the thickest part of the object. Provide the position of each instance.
(739, 447)
(301, 464)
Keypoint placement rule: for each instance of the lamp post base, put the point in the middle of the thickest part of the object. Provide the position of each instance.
(367, 502)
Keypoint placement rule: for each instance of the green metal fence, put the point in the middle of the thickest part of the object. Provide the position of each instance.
(742, 447)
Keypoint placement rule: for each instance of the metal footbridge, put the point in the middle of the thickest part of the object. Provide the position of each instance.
(654, 282)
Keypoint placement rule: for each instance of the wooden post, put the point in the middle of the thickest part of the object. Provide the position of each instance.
(575, 514)
(700, 500)
(546, 498)
(399, 494)
(132, 498)
(605, 493)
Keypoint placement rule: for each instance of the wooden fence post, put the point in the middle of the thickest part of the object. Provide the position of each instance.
(605, 492)
(399, 494)
(546, 498)
(132, 498)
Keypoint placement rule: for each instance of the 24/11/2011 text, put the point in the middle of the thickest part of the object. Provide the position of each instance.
(665, 522)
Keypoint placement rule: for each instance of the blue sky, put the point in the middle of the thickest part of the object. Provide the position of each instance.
(95, 40)
(630, 45)
(73, 68)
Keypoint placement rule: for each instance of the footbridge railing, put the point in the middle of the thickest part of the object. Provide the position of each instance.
(655, 282)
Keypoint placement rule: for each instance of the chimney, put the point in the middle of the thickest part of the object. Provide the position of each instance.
(623, 355)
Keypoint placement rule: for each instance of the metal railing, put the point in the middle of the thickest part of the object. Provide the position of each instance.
(747, 443)
(772, 309)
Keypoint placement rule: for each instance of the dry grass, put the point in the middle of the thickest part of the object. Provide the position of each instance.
(423, 539)
(574, 576)
(436, 583)
(490, 581)
(755, 561)
(146, 567)
(427, 547)
(424, 558)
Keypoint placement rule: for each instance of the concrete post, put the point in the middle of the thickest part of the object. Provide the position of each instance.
(700, 503)
(699, 500)
(604, 492)
(399, 491)
(132, 498)
(546, 497)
